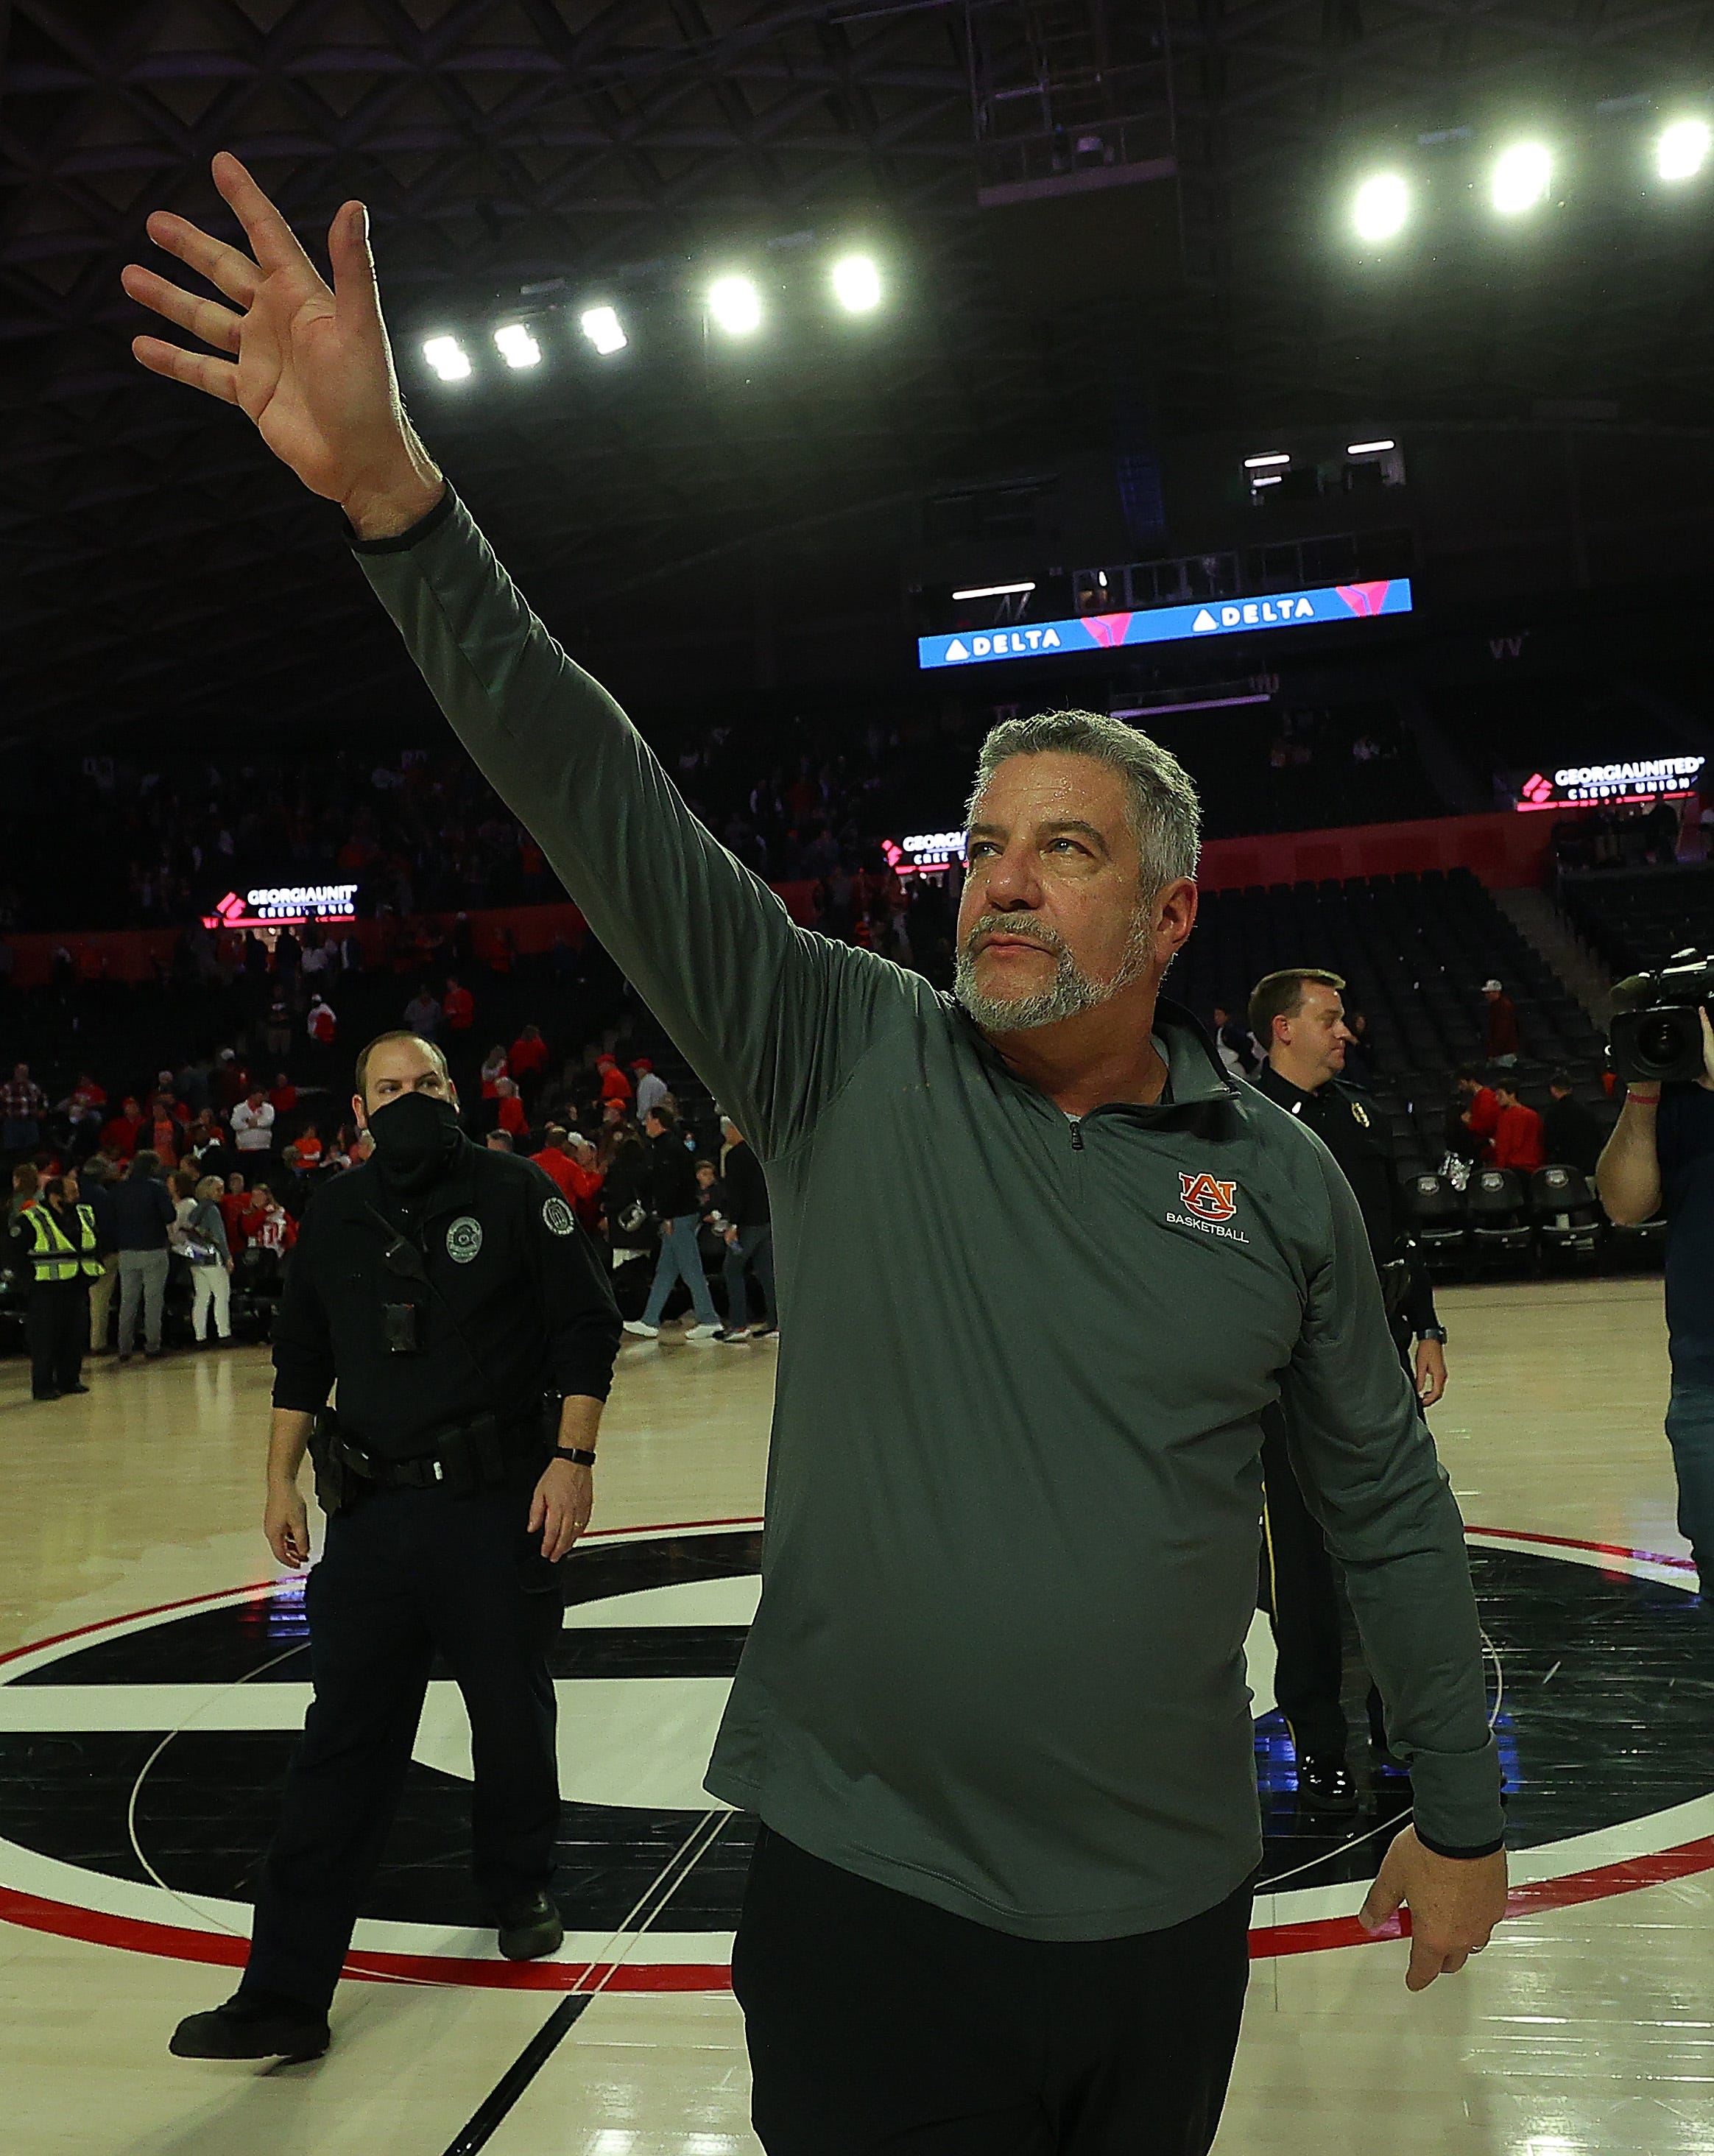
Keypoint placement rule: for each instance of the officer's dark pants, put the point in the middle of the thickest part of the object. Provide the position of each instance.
(1300, 1593)
(404, 1573)
(57, 1327)
(878, 2024)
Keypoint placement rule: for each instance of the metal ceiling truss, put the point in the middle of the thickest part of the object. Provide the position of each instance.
(506, 142)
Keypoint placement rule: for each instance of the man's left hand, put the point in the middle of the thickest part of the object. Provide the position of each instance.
(1455, 1903)
(559, 1510)
(1430, 1371)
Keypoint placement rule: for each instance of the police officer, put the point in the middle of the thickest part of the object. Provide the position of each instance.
(56, 1240)
(471, 1332)
(1298, 1016)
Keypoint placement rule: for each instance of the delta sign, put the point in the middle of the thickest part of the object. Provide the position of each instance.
(1108, 632)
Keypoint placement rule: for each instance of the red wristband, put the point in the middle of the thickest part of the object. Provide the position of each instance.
(1648, 1100)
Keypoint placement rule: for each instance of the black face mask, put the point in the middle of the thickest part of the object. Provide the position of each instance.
(415, 1137)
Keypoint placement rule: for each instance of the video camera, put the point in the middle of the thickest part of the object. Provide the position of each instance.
(1657, 1034)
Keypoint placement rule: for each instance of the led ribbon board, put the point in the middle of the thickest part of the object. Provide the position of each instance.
(1653, 779)
(1108, 632)
(284, 905)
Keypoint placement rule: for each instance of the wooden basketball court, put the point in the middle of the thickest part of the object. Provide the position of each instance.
(150, 1685)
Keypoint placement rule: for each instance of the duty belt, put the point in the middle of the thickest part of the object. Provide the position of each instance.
(473, 1456)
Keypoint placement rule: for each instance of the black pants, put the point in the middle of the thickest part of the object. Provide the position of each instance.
(406, 1572)
(57, 1327)
(879, 2023)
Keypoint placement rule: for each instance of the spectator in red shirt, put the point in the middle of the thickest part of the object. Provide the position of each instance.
(1504, 1044)
(164, 1132)
(311, 1150)
(126, 1130)
(458, 1007)
(233, 1206)
(1480, 1116)
(232, 1080)
(569, 1158)
(283, 1096)
(512, 1119)
(556, 1162)
(494, 1069)
(527, 1063)
(614, 1084)
(1518, 1142)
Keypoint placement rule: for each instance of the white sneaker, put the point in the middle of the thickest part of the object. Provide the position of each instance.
(701, 1331)
(642, 1331)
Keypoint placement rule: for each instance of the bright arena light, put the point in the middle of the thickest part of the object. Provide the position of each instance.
(856, 283)
(446, 356)
(604, 329)
(1381, 206)
(1269, 457)
(1520, 178)
(735, 305)
(516, 346)
(1682, 149)
(1369, 448)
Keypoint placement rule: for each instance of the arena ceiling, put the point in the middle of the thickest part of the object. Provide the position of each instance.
(158, 571)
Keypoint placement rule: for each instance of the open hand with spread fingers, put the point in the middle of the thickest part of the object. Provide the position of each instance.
(308, 363)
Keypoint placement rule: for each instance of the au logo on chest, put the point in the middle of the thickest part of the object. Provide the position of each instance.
(1206, 1196)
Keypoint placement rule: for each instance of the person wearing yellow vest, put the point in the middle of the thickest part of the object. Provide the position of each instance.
(57, 1244)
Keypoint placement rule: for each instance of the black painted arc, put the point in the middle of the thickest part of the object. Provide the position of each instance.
(478, 2130)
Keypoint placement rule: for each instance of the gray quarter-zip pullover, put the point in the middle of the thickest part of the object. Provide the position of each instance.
(1014, 1493)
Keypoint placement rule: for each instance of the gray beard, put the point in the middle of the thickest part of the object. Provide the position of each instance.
(1070, 991)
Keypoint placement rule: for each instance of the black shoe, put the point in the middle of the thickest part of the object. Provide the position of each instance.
(66, 1389)
(123, 1355)
(153, 1354)
(44, 1396)
(253, 2024)
(530, 1926)
(764, 1331)
(1324, 1785)
(727, 1338)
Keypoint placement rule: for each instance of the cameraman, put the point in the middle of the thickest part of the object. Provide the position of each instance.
(1662, 1149)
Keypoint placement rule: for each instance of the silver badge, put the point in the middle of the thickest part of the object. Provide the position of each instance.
(463, 1239)
(556, 1216)
(1361, 1113)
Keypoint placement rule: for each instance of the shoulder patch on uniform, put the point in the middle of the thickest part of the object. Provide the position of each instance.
(556, 1216)
(464, 1239)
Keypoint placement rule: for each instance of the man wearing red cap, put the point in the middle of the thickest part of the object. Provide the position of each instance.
(651, 1086)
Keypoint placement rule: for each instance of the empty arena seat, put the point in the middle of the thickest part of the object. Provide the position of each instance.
(1568, 1214)
(1442, 1225)
(1500, 1223)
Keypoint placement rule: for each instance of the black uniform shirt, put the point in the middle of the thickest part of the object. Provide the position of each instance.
(516, 1303)
(1349, 1123)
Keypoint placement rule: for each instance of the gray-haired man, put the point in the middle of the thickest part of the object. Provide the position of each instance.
(1044, 1265)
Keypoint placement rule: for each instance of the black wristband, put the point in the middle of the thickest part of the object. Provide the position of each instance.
(575, 1453)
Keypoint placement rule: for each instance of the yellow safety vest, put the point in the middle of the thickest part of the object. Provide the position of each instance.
(56, 1256)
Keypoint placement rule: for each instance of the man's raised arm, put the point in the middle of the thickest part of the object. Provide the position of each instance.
(770, 1016)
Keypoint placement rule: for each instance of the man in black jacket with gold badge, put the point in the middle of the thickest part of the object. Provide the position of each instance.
(471, 1332)
(1298, 1020)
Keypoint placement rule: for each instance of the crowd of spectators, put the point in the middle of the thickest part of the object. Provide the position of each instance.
(199, 1175)
(162, 841)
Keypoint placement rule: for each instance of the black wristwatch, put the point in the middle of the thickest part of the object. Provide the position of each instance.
(1434, 1332)
(575, 1453)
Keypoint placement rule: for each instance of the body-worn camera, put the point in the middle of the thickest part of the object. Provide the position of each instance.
(1657, 1031)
